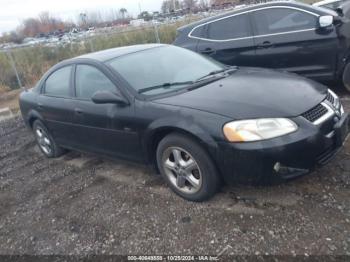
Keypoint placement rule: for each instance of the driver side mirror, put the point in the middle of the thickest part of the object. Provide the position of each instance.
(107, 97)
(325, 21)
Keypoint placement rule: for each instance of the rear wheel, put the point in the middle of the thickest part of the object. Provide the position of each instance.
(346, 77)
(187, 168)
(45, 141)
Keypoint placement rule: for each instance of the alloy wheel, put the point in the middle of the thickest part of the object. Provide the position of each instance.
(43, 140)
(182, 170)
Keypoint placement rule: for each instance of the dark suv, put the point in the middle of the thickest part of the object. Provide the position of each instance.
(311, 41)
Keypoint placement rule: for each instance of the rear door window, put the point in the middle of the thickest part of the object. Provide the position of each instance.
(199, 32)
(280, 20)
(58, 83)
(233, 27)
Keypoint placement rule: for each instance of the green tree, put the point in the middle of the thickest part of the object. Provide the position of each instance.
(145, 16)
(123, 11)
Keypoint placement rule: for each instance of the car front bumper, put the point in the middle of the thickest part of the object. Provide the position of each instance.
(284, 157)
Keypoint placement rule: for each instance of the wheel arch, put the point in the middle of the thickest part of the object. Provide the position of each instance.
(343, 62)
(346, 76)
(156, 134)
(32, 116)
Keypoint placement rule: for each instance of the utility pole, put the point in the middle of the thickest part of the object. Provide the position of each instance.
(140, 7)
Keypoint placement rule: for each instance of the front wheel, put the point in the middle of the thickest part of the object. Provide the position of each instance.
(187, 168)
(346, 77)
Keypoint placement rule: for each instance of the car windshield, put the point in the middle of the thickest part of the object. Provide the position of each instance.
(163, 69)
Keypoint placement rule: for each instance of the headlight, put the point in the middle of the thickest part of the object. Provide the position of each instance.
(258, 129)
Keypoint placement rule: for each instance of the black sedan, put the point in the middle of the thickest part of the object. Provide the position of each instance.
(199, 122)
(299, 38)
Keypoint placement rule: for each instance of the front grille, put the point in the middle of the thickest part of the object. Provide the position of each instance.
(315, 113)
(330, 98)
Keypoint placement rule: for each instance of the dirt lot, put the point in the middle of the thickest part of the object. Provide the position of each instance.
(10, 100)
(81, 204)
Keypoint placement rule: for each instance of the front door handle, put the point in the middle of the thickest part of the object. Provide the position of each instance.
(208, 51)
(78, 111)
(40, 106)
(265, 44)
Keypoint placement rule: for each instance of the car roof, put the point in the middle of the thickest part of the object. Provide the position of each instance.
(256, 6)
(108, 54)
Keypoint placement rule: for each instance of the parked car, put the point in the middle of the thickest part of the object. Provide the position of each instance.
(344, 10)
(300, 38)
(331, 4)
(197, 120)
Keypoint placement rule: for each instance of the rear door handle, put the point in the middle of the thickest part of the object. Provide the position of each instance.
(265, 44)
(208, 51)
(78, 111)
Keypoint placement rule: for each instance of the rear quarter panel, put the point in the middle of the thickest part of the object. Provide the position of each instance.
(27, 104)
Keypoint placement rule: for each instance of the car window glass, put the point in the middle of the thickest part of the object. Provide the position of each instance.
(58, 83)
(334, 5)
(278, 20)
(90, 80)
(229, 28)
(198, 32)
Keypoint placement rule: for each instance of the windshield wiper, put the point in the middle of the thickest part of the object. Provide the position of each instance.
(190, 83)
(165, 86)
(225, 70)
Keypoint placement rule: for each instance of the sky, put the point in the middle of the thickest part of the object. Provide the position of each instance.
(12, 12)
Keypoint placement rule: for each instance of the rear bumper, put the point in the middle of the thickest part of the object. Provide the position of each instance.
(286, 157)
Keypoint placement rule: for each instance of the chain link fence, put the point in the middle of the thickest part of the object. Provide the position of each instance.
(23, 66)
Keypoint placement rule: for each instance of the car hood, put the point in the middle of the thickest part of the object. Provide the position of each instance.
(253, 93)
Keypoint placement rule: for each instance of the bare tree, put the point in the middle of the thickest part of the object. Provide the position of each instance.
(190, 4)
(31, 27)
(44, 17)
(12, 36)
(83, 18)
(45, 23)
(166, 6)
(203, 4)
(170, 5)
(223, 2)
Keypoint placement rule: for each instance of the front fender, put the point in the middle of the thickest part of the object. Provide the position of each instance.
(184, 124)
(158, 129)
(161, 119)
(204, 127)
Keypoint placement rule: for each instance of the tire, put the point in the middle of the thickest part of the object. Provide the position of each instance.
(346, 77)
(187, 168)
(45, 141)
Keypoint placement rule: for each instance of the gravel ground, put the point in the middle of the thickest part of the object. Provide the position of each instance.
(81, 204)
